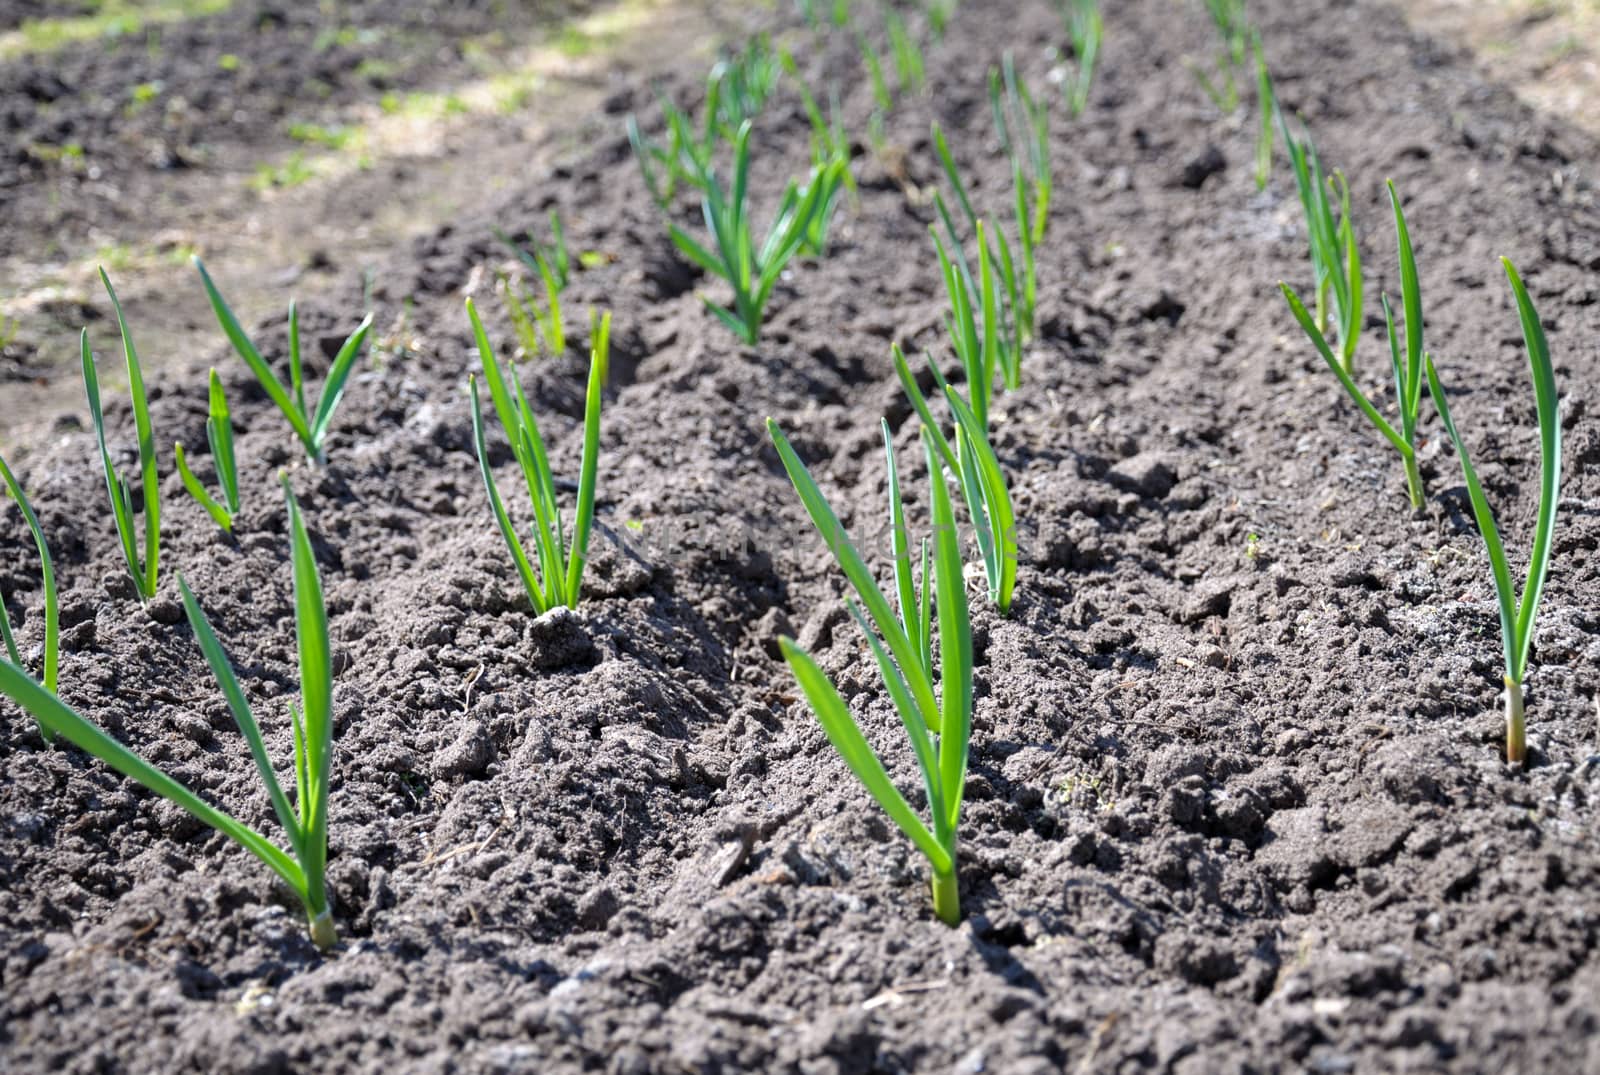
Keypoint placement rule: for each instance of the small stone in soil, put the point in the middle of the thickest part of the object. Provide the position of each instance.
(560, 639)
(117, 585)
(1203, 166)
(469, 755)
(1150, 474)
(165, 610)
(597, 907)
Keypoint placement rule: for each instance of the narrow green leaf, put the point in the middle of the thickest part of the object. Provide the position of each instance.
(1297, 308)
(334, 384)
(61, 720)
(942, 148)
(52, 630)
(1548, 407)
(955, 649)
(846, 737)
(297, 377)
(530, 581)
(218, 513)
(222, 668)
(906, 708)
(219, 433)
(996, 499)
(116, 487)
(599, 361)
(920, 404)
(149, 481)
(1503, 586)
(1411, 303)
(860, 576)
(247, 350)
(905, 585)
(316, 696)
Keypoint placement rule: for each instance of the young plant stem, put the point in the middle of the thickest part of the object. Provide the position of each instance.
(52, 628)
(310, 426)
(1516, 727)
(144, 570)
(947, 897)
(1517, 615)
(303, 866)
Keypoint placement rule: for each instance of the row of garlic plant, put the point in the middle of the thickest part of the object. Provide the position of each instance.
(302, 866)
(1334, 254)
(557, 580)
(989, 318)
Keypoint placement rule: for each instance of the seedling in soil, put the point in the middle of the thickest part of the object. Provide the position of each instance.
(902, 647)
(752, 272)
(1335, 256)
(1085, 28)
(906, 53)
(739, 85)
(306, 820)
(52, 630)
(558, 579)
(219, 434)
(829, 178)
(1267, 105)
(144, 570)
(1018, 118)
(1407, 371)
(540, 329)
(736, 91)
(685, 158)
(983, 344)
(830, 141)
(1221, 90)
(1517, 617)
(1234, 28)
(1017, 302)
(939, 13)
(881, 96)
(311, 426)
(1233, 25)
(976, 468)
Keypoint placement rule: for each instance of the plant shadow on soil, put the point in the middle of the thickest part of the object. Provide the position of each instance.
(1234, 803)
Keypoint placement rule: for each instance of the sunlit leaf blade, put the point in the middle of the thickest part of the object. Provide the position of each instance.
(905, 584)
(116, 487)
(218, 513)
(1548, 407)
(846, 737)
(333, 385)
(61, 720)
(1503, 586)
(263, 371)
(955, 648)
(1297, 308)
(859, 575)
(222, 668)
(599, 360)
(316, 697)
(995, 499)
(530, 580)
(149, 481)
(219, 433)
(52, 629)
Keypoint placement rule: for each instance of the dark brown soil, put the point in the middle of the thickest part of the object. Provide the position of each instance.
(1235, 800)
